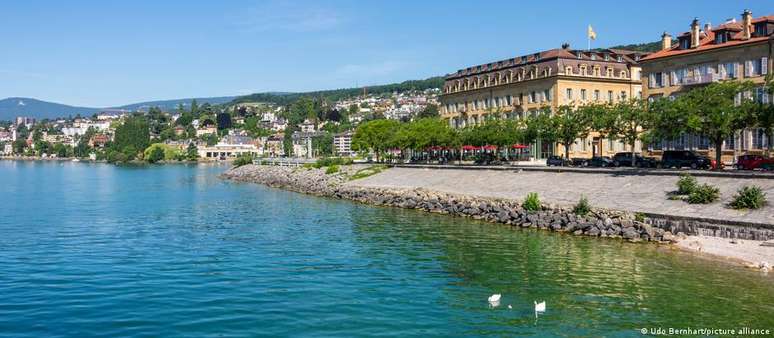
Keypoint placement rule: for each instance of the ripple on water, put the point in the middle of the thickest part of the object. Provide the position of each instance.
(173, 251)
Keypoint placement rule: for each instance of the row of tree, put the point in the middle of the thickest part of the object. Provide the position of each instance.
(716, 111)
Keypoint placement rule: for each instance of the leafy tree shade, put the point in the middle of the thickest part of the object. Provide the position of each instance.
(714, 112)
(375, 136)
(132, 135)
(323, 144)
(565, 126)
(627, 121)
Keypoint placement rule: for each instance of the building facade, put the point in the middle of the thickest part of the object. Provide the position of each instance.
(342, 144)
(705, 54)
(519, 86)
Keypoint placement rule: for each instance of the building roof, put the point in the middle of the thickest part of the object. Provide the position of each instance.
(630, 57)
(707, 39)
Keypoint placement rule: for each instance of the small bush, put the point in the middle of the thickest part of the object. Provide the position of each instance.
(704, 194)
(686, 184)
(156, 154)
(639, 217)
(583, 207)
(243, 160)
(372, 170)
(329, 161)
(532, 202)
(749, 197)
(332, 169)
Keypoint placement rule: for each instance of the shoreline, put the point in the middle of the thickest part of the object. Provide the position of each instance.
(607, 223)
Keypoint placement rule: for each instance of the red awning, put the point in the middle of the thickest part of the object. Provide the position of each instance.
(519, 146)
(489, 147)
(469, 147)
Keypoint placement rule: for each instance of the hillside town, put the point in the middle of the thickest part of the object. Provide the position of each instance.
(219, 132)
(560, 106)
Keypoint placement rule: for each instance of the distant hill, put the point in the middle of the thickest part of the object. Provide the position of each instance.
(338, 94)
(169, 105)
(640, 47)
(12, 107)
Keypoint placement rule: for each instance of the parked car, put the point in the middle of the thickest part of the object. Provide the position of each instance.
(624, 159)
(580, 162)
(600, 161)
(752, 162)
(685, 158)
(557, 161)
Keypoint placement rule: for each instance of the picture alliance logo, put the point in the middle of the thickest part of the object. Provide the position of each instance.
(671, 331)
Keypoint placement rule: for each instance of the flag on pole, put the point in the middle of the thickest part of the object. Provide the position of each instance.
(591, 33)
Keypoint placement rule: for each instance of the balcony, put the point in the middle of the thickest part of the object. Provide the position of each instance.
(701, 79)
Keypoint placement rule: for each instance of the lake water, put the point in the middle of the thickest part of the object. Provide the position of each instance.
(173, 251)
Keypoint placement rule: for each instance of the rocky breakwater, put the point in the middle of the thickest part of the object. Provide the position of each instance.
(304, 180)
(596, 223)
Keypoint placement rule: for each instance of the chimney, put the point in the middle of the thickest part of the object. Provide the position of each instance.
(666, 41)
(746, 24)
(695, 33)
(707, 28)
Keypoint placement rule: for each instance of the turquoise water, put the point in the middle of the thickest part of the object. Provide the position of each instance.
(173, 251)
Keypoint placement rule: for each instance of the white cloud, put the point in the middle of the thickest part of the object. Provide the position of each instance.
(272, 16)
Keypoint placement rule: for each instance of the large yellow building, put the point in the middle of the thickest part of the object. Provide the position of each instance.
(731, 51)
(522, 85)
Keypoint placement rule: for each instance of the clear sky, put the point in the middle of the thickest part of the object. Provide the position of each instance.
(110, 53)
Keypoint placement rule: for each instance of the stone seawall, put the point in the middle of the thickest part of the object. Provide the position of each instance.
(597, 223)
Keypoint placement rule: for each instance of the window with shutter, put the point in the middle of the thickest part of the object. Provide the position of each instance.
(764, 65)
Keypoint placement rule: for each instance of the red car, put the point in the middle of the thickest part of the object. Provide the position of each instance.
(751, 162)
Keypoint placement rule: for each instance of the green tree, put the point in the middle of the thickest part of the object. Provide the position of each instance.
(19, 145)
(192, 153)
(224, 121)
(431, 110)
(715, 111)
(156, 154)
(132, 135)
(323, 144)
(375, 136)
(194, 108)
(763, 113)
(566, 125)
(627, 121)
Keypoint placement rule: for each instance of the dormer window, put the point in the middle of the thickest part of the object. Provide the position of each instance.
(620, 58)
(607, 57)
(760, 29)
(537, 56)
(721, 37)
(685, 43)
(524, 59)
(593, 57)
(580, 55)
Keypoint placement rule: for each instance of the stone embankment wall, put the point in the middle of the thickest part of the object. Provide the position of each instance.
(598, 223)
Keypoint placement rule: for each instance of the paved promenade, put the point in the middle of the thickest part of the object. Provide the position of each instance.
(621, 192)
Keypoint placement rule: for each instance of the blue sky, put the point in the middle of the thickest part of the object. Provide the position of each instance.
(109, 53)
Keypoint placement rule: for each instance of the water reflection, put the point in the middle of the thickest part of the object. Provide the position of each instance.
(590, 283)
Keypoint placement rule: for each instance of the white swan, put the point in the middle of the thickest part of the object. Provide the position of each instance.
(494, 300)
(540, 307)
